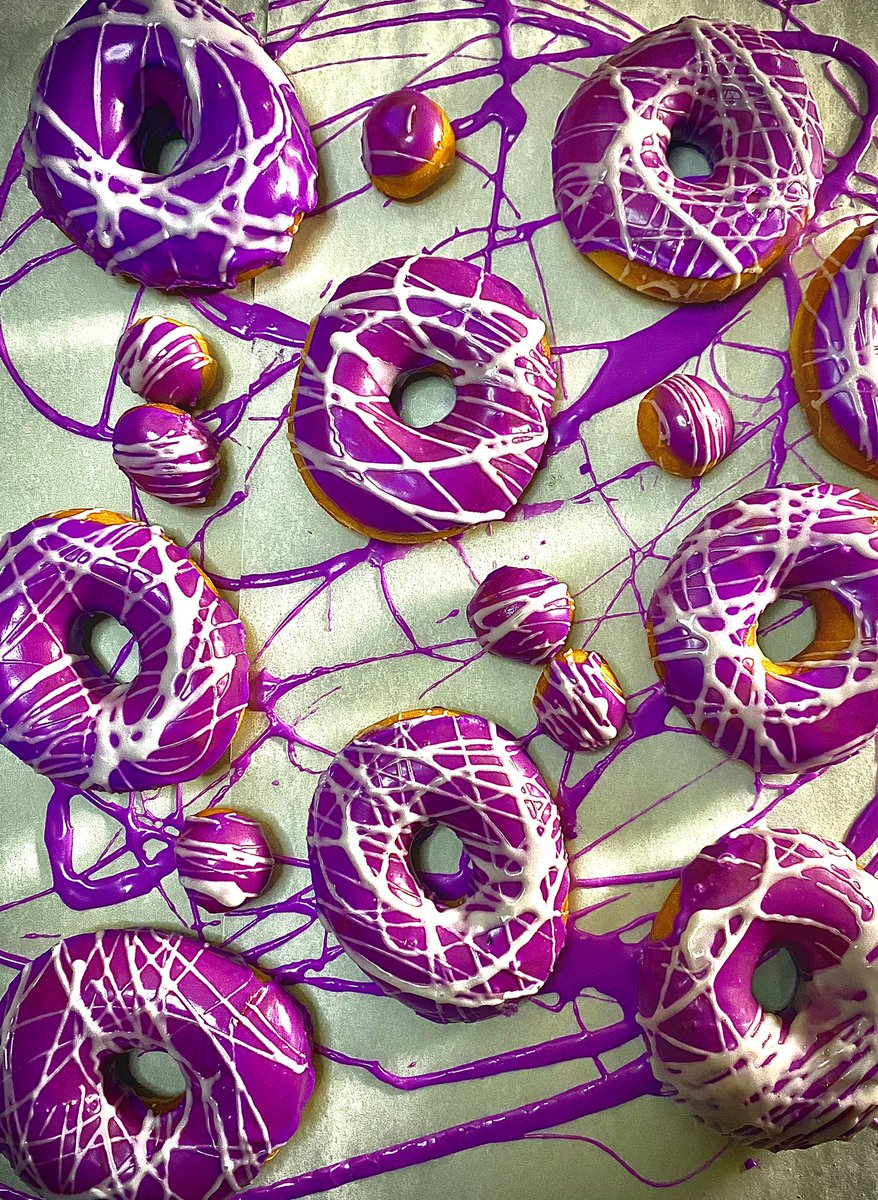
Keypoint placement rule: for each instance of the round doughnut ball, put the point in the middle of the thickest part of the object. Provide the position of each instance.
(407, 143)
(166, 362)
(167, 453)
(579, 702)
(223, 859)
(685, 425)
(521, 613)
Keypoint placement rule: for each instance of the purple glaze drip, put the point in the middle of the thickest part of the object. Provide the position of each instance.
(165, 362)
(167, 453)
(685, 425)
(223, 858)
(579, 702)
(402, 133)
(521, 613)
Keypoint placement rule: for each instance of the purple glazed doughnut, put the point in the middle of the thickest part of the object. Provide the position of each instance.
(69, 1126)
(165, 362)
(117, 77)
(461, 958)
(521, 613)
(223, 859)
(166, 453)
(68, 719)
(407, 143)
(817, 541)
(775, 1080)
(401, 318)
(833, 352)
(732, 92)
(685, 426)
(579, 702)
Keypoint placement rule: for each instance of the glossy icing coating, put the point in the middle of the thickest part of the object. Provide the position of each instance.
(775, 1080)
(68, 1125)
(833, 351)
(118, 74)
(685, 425)
(407, 143)
(165, 362)
(400, 317)
(521, 613)
(494, 942)
(63, 715)
(167, 453)
(817, 541)
(223, 858)
(579, 702)
(736, 95)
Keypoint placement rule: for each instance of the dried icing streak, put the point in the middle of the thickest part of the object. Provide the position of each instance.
(815, 540)
(228, 206)
(69, 720)
(776, 1081)
(69, 1127)
(726, 88)
(392, 785)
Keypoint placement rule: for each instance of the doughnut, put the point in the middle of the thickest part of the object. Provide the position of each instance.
(166, 453)
(728, 90)
(398, 319)
(223, 859)
(166, 362)
(816, 541)
(457, 958)
(782, 1080)
(832, 349)
(70, 1125)
(407, 144)
(63, 715)
(521, 613)
(579, 702)
(685, 426)
(119, 71)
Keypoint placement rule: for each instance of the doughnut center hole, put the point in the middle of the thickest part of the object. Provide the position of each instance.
(154, 1076)
(110, 646)
(423, 397)
(776, 981)
(787, 628)
(158, 144)
(687, 159)
(441, 865)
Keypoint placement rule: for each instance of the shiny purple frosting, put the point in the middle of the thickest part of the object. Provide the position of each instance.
(223, 858)
(816, 541)
(165, 362)
(401, 133)
(167, 453)
(691, 422)
(72, 721)
(69, 1125)
(120, 78)
(521, 613)
(449, 956)
(727, 89)
(777, 1080)
(578, 701)
(397, 319)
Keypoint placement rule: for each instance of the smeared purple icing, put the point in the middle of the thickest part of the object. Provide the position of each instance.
(578, 701)
(223, 858)
(495, 943)
(69, 1126)
(399, 318)
(685, 425)
(122, 73)
(167, 453)
(521, 613)
(402, 133)
(63, 715)
(733, 92)
(775, 1080)
(814, 540)
(165, 362)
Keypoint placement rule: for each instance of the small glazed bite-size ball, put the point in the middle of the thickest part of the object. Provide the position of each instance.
(166, 362)
(685, 425)
(579, 702)
(223, 858)
(407, 144)
(521, 613)
(167, 453)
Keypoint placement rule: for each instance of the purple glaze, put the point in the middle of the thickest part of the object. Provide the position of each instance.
(71, 721)
(167, 453)
(124, 71)
(403, 133)
(69, 1127)
(578, 701)
(396, 319)
(727, 89)
(818, 541)
(685, 425)
(776, 1081)
(389, 787)
(521, 613)
(165, 362)
(223, 858)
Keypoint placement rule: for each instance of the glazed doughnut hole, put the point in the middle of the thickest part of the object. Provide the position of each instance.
(110, 646)
(422, 398)
(153, 1076)
(775, 982)
(441, 865)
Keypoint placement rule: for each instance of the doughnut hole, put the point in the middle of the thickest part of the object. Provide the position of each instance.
(109, 645)
(441, 865)
(776, 981)
(688, 160)
(153, 1076)
(795, 630)
(161, 140)
(425, 396)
